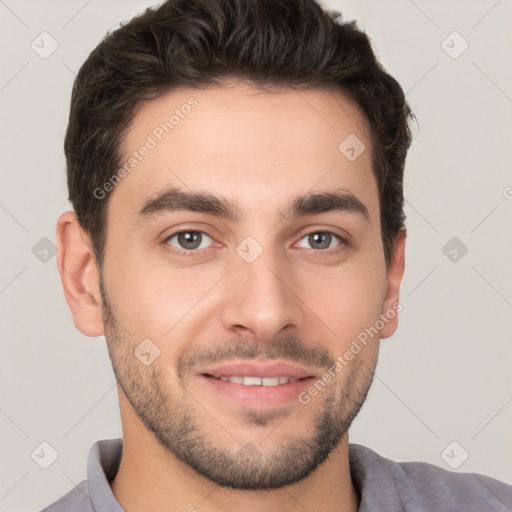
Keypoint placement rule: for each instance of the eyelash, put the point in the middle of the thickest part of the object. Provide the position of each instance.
(197, 252)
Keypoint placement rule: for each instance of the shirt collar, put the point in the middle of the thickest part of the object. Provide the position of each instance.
(373, 480)
(102, 466)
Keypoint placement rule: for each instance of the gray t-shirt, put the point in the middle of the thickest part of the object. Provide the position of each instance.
(382, 484)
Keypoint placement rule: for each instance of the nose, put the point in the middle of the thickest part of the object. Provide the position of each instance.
(263, 299)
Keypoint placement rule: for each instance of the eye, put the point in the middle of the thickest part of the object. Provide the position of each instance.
(188, 240)
(321, 240)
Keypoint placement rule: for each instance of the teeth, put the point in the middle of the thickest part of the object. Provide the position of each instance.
(252, 381)
(258, 381)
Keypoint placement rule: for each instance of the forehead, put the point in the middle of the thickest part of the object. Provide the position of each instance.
(256, 147)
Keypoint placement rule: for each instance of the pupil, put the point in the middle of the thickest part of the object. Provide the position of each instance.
(315, 238)
(189, 239)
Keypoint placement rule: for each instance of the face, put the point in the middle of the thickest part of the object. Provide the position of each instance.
(243, 258)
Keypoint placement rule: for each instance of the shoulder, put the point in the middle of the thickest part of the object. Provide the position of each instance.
(448, 490)
(76, 500)
(423, 486)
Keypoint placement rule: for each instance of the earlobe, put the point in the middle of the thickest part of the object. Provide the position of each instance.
(79, 275)
(391, 305)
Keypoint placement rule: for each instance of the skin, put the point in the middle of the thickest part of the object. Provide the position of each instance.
(260, 150)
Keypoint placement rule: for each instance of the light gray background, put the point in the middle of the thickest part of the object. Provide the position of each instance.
(446, 374)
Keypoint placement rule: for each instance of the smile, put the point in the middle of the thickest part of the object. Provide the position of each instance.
(256, 381)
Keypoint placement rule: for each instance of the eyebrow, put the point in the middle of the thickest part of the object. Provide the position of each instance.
(174, 199)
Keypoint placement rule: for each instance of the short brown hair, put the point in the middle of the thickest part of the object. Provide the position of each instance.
(195, 43)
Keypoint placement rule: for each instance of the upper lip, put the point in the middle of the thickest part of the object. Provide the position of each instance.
(255, 368)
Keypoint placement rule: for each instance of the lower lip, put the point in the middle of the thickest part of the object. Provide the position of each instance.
(264, 397)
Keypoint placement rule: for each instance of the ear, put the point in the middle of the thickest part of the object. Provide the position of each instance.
(79, 275)
(395, 273)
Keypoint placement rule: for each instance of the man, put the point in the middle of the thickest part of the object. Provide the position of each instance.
(236, 171)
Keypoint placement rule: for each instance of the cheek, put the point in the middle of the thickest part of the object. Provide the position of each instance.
(350, 301)
(158, 300)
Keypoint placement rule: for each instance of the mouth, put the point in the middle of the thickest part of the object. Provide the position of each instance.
(256, 381)
(256, 384)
